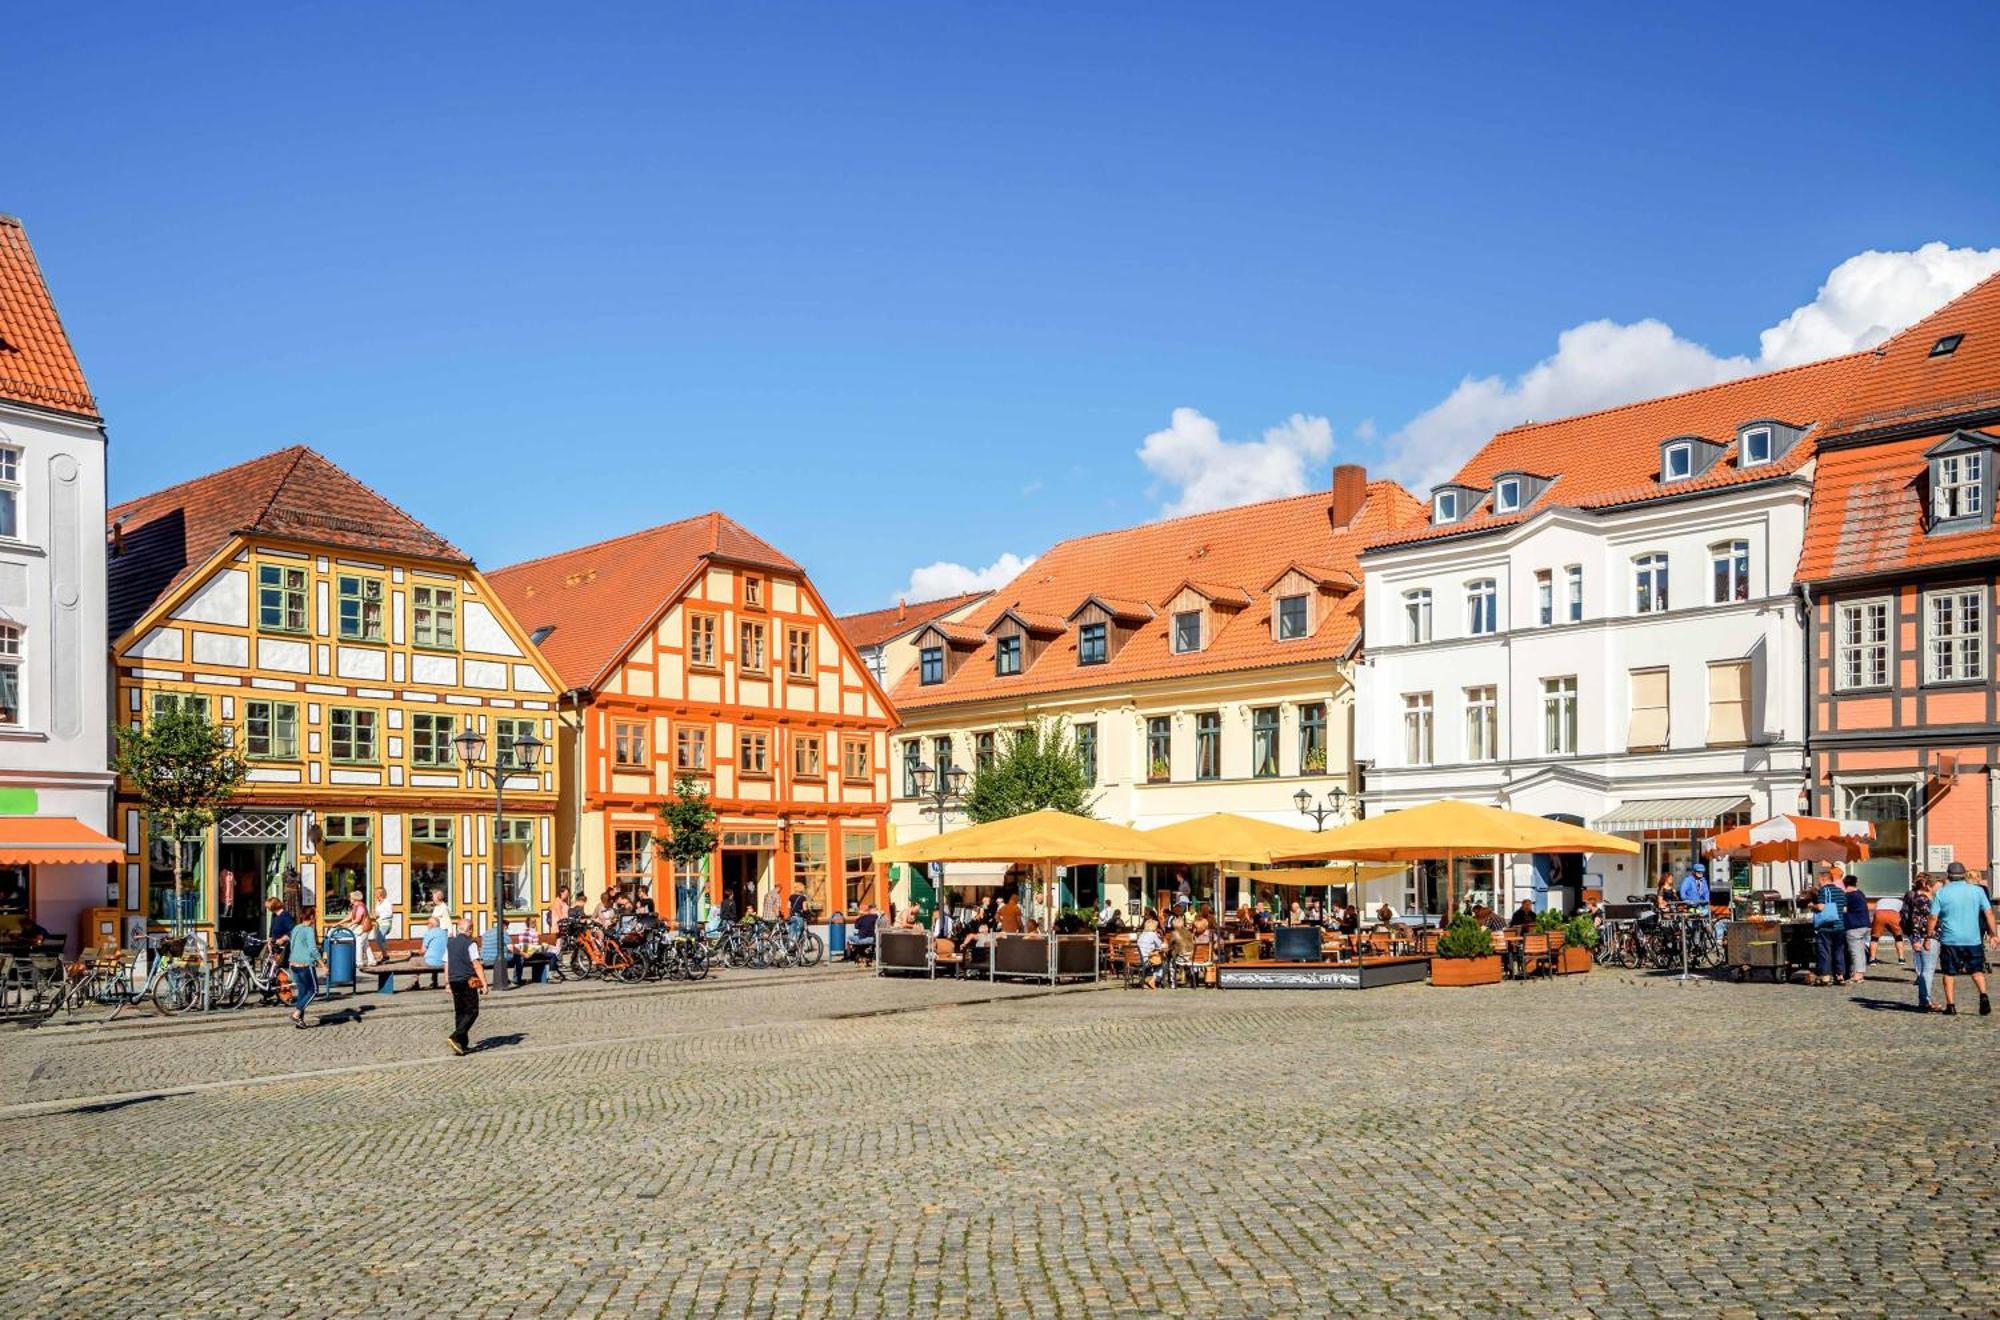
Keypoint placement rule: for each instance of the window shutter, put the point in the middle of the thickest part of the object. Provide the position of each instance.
(1729, 702)
(1649, 725)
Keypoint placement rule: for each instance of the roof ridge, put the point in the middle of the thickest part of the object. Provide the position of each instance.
(416, 522)
(1681, 394)
(599, 545)
(271, 501)
(151, 496)
(1882, 348)
(1205, 513)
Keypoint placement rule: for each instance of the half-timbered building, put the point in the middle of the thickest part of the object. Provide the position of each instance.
(699, 650)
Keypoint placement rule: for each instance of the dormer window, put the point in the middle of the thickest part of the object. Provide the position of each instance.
(1507, 495)
(1755, 448)
(1677, 462)
(1187, 631)
(1291, 618)
(1090, 644)
(930, 665)
(1007, 655)
(1946, 346)
(1444, 507)
(1958, 487)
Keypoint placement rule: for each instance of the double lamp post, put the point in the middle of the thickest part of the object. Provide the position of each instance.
(520, 755)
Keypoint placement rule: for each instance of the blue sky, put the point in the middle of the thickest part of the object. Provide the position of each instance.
(903, 284)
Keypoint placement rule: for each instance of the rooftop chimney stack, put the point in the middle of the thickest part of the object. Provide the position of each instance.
(1350, 492)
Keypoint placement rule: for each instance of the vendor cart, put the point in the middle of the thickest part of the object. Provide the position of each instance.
(1763, 943)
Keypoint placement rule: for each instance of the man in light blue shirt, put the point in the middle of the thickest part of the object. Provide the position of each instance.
(1694, 886)
(435, 938)
(1964, 915)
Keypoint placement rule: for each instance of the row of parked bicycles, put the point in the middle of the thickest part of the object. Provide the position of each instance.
(1656, 941)
(656, 951)
(172, 975)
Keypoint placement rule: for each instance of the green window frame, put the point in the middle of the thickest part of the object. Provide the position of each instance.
(346, 848)
(434, 617)
(1159, 749)
(514, 869)
(505, 733)
(360, 610)
(192, 702)
(351, 735)
(1312, 738)
(1208, 745)
(271, 730)
(1264, 742)
(281, 599)
(430, 739)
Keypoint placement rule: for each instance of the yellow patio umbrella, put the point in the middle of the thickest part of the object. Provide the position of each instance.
(1225, 839)
(1045, 838)
(1451, 829)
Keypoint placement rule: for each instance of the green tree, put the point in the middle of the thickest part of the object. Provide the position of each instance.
(689, 824)
(1039, 768)
(185, 771)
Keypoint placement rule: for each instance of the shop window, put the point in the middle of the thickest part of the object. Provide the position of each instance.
(13, 892)
(515, 870)
(345, 855)
(160, 907)
(632, 860)
(430, 867)
(809, 868)
(857, 869)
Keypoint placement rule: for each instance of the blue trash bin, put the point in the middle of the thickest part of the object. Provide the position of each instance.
(340, 957)
(836, 936)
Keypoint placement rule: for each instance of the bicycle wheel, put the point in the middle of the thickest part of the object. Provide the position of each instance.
(170, 993)
(234, 991)
(812, 949)
(1630, 954)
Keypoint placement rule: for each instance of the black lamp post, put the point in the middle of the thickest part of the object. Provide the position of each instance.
(1336, 806)
(523, 753)
(939, 794)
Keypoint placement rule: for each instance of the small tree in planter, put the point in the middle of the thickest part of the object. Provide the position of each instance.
(689, 840)
(186, 772)
(1579, 944)
(1465, 955)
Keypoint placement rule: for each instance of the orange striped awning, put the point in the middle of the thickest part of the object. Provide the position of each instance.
(53, 840)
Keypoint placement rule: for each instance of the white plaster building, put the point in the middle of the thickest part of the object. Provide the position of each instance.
(54, 782)
(1599, 624)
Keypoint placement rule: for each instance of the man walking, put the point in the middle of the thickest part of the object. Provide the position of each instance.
(1964, 916)
(1856, 923)
(467, 978)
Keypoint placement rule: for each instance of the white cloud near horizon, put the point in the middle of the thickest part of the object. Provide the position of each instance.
(1603, 363)
(944, 578)
(1209, 472)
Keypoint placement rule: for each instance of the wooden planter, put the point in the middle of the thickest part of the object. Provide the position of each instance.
(1466, 971)
(1573, 960)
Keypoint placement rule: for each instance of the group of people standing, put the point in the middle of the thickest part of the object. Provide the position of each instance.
(1948, 927)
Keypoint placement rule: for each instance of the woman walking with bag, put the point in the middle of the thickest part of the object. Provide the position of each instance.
(302, 962)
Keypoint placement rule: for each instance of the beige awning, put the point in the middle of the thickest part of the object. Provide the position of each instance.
(1690, 813)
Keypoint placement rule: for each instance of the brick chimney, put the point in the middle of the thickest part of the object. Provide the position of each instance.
(1350, 492)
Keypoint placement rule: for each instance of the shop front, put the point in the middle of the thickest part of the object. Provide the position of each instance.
(53, 869)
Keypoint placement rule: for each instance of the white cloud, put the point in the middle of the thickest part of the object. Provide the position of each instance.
(947, 579)
(1210, 472)
(1599, 364)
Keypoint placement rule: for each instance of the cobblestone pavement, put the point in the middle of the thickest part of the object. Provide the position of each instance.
(832, 1144)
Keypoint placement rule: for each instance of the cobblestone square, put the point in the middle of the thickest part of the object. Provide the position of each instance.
(828, 1143)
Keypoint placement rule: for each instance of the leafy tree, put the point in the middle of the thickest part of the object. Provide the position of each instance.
(689, 822)
(185, 771)
(1039, 768)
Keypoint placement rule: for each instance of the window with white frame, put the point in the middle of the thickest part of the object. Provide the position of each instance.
(1417, 616)
(1507, 495)
(1574, 602)
(1729, 565)
(1861, 644)
(1545, 597)
(1444, 506)
(1559, 716)
(1728, 703)
(1648, 728)
(1649, 583)
(1756, 447)
(1958, 489)
(1482, 607)
(1677, 463)
(10, 492)
(1417, 729)
(1482, 723)
(1955, 635)
(10, 674)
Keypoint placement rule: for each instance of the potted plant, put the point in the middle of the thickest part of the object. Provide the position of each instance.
(1075, 921)
(1158, 769)
(1465, 956)
(1315, 761)
(1579, 945)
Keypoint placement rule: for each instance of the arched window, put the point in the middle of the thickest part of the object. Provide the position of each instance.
(1729, 564)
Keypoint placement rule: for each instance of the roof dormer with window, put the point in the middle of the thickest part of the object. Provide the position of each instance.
(1104, 624)
(1765, 440)
(1300, 598)
(1197, 611)
(1454, 503)
(1019, 638)
(1959, 482)
(1515, 491)
(942, 648)
(1686, 457)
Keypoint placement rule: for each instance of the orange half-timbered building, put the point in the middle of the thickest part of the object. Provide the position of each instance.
(1901, 572)
(698, 649)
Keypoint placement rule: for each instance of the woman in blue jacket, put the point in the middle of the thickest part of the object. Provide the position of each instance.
(1829, 932)
(301, 962)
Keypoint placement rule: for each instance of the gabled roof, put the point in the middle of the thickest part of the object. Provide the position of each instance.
(1905, 385)
(1331, 579)
(598, 598)
(880, 627)
(37, 365)
(958, 634)
(295, 494)
(1610, 458)
(1042, 625)
(1216, 592)
(1118, 607)
(1868, 514)
(1250, 543)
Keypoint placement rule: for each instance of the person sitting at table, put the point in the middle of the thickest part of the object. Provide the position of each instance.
(1152, 954)
(1297, 913)
(1108, 918)
(1350, 920)
(1524, 916)
(1264, 917)
(1010, 914)
(1245, 918)
(435, 937)
(1182, 944)
(1386, 915)
(861, 936)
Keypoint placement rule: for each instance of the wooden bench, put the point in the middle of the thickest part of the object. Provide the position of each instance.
(385, 974)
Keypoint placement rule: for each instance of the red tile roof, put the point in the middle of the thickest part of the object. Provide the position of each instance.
(1241, 548)
(37, 365)
(875, 627)
(1905, 385)
(1868, 515)
(599, 598)
(1612, 457)
(295, 494)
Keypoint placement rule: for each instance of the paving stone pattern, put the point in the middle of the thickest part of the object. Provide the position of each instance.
(828, 1143)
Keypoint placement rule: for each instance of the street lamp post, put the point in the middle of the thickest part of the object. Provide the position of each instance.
(523, 753)
(1336, 806)
(939, 793)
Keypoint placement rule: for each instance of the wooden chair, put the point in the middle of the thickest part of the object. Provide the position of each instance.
(1536, 956)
